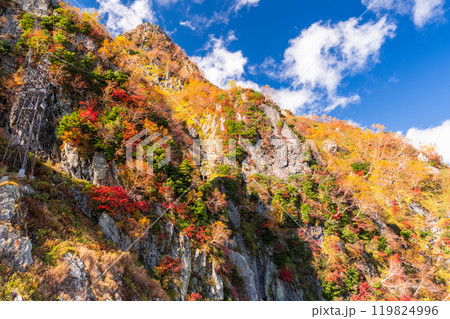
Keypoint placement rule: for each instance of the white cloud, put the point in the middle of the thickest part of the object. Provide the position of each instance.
(221, 65)
(166, 2)
(317, 70)
(421, 11)
(239, 4)
(248, 84)
(323, 55)
(188, 24)
(201, 22)
(335, 101)
(427, 10)
(121, 18)
(438, 135)
(399, 6)
(294, 99)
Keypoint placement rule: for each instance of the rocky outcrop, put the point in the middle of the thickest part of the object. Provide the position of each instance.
(216, 289)
(83, 202)
(186, 264)
(76, 284)
(96, 170)
(233, 214)
(418, 209)
(246, 273)
(330, 147)
(111, 231)
(151, 248)
(9, 32)
(9, 194)
(261, 276)
(282, 155)
(39, 7)
(15, 249)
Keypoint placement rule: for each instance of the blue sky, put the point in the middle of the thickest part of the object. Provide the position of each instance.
(367, 61)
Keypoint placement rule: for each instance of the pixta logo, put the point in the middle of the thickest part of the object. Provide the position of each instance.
(145, 145)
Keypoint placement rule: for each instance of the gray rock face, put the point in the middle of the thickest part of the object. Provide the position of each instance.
(111, 231)
(233, 213)
(261, 276)
(286, 143)
(9, 33)
(418, 209)
(39, 7)
(99, 168)
(276, 289)
(259, 273)
(95, 170)
(9, 194)
(199, 264)
(76, 284)
(27, 190)
(186, 264)
(73, 164)
(330, 147)
(83, 202)
(150, 251)
(76, 267)
(246, 272)
(14, 248)
(283, 156)
(217, 287)
(18, 298)
(211, 284)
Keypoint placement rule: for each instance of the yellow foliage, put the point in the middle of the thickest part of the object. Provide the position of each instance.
(123, 42)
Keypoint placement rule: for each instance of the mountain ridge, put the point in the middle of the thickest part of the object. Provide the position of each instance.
(269, 206)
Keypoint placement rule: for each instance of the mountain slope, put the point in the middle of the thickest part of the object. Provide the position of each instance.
(251, 203)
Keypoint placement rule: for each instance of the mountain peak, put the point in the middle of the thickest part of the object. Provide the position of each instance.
(221, 195)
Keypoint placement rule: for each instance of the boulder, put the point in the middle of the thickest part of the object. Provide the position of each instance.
(76, 270)
(75, 285)
(9, 194)
(330, 147)
(14, 248)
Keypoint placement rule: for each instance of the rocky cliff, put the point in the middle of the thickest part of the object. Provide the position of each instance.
(242, 201)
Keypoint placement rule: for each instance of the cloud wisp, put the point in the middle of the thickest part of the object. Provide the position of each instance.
(422, 12)
(121, 18)
(200, 23)
(438, 135)
(239, 4)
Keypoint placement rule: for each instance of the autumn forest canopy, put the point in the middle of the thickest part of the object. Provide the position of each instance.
(284, 207)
